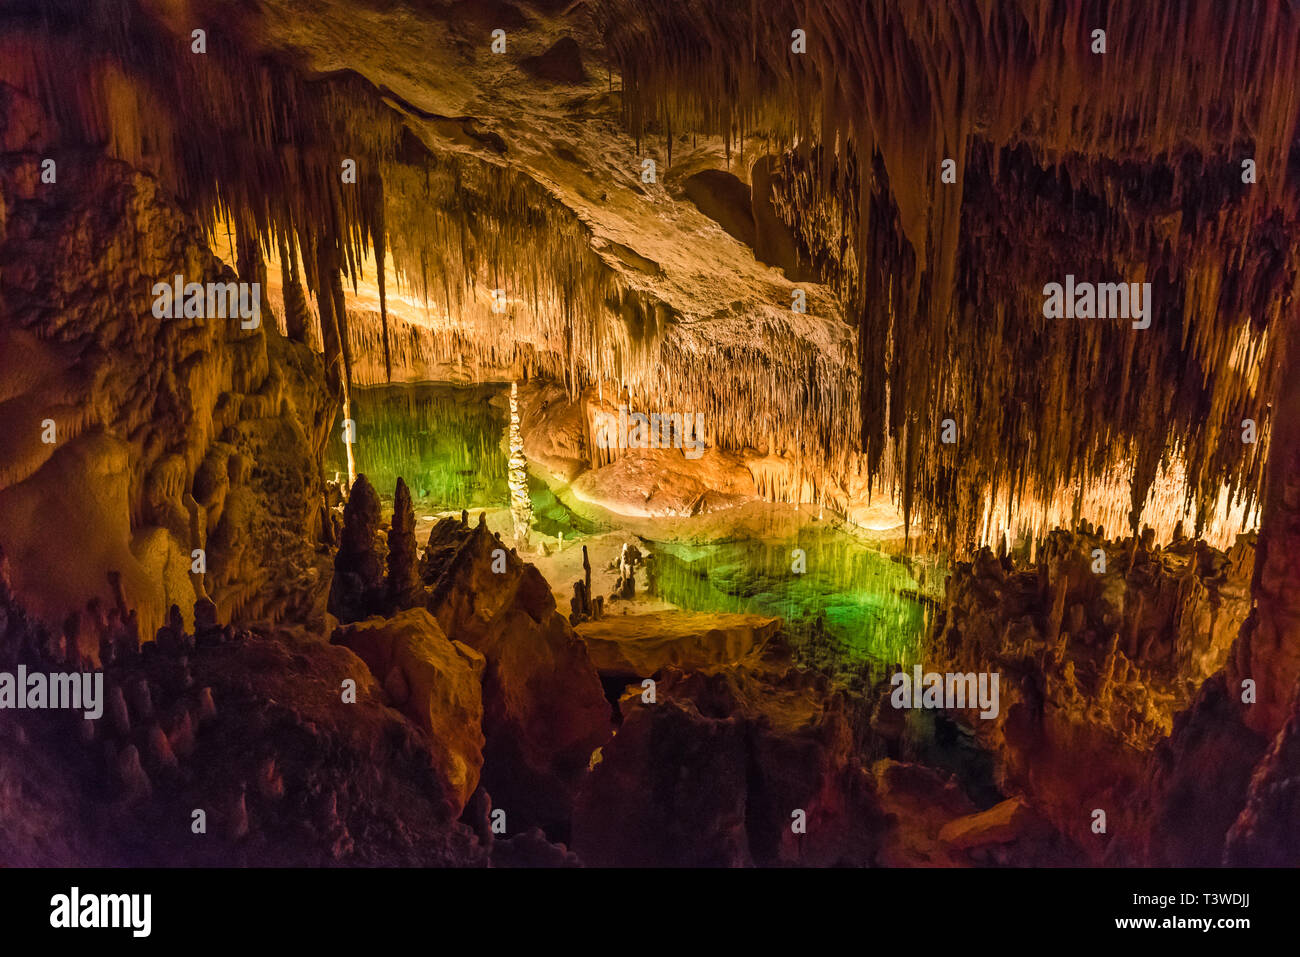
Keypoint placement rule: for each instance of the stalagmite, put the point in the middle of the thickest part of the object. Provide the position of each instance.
(403, 579)
(521, 508)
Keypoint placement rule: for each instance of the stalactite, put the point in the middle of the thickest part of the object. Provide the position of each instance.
(251, 264)
(1060, 156)
(295, 299)
(378, 242)
(329, 299)
(1066, 162)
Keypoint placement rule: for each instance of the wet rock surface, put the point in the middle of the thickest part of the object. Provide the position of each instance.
(641, 644)
(433, 681)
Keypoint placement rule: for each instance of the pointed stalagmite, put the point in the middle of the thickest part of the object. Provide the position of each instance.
(403, 582)
(521, 508)
(357, 588)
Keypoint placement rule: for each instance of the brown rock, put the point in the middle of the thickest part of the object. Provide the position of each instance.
(642, 645)
(561, 63)
(358, 577)
(544, 710)
(712, 773)
(134, 783)
(402, 585)
(1000, 824)
(1267, 832)
(434, 682)
(670, 791)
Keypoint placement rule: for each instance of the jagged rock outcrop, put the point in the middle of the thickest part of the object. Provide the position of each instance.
(255, 730)
(434, 682)
(640, 645)
(1093, 664)
(731, 767)
(670, 791)
(402, 582)
(1267, 833)
(544, 711)
(1195, 785)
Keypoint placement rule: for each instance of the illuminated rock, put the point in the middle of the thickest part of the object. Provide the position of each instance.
(434, 682)
(643, 644)
(357, 589)
(544, 711)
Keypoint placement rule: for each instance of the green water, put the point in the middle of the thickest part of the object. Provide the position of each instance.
(851, 599)
(852, 604)
(552, 517)
(445, 441)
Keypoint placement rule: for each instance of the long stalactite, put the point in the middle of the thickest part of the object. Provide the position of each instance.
(1051, 142)
(935, 276)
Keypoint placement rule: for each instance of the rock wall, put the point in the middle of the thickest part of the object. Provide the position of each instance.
(1093, 665)
(712, 771)
(1222, 789)
(252, 729)
(165, 435)
(544, 710)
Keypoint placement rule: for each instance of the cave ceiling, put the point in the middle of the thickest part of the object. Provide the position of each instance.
(777, 174)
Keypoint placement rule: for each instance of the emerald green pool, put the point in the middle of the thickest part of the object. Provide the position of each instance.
(445, 441)
(852, 603)
(851, 597)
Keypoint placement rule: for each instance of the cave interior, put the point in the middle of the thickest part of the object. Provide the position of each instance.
(662, 433)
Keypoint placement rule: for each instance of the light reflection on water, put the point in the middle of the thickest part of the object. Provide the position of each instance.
(447, 442)
(864, 601)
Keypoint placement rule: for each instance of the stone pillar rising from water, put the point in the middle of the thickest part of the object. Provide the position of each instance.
(521, 509)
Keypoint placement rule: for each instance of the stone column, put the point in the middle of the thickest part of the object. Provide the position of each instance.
(521, 508)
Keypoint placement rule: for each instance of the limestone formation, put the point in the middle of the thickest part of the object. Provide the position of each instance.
(999, 292)
(402, 583)
(433, 681)
(641, 645)
(357, 588)
(544, 711)
(711, 774)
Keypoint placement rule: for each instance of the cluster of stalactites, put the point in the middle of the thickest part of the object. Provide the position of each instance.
(1125, 165)
(319, 176)
(255, 147)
